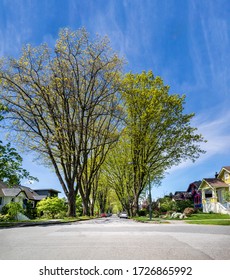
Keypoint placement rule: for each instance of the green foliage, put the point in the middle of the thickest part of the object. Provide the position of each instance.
(11, 171)
(11, 210)
(64, 104)
(227, 196)
(4, 218)
(30, 211)
(160, 132)
(79, 207)
(142, 212)
(182, 204)
(118, 174)
(3, 110)
(52, 207)
(168, 205)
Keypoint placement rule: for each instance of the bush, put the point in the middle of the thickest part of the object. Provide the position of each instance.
(227, 196)
(168, 205)
(4, 218)
(142, 213)
(11, 210)
(30, 211)
(189, 211)
(52, 207)
(182, 204)
(156, 214)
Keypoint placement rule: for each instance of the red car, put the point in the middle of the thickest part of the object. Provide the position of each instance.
(103, 215)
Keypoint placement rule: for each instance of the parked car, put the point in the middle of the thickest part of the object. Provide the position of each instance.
(103, 215)
(123, 215)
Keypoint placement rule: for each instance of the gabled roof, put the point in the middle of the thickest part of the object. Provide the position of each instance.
(6, 191)
(11, 191)
(31, 194)
(224, 168)
(195, 184)
(213, 183)
(181, 195)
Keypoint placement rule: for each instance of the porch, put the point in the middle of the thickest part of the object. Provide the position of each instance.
(215, 207)
(213, 201)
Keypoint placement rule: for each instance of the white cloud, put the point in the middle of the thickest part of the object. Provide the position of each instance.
(217, 133)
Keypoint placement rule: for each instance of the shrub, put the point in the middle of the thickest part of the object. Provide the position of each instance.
(4, 218)
(12, 209)
(188, 211)
(168, 205)
(227, 196)
(142, 213)
(182, 204)
(52, 207)
(156, 214)
(30, 211)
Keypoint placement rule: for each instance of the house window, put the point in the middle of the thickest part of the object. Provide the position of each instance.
(226, 175)
(1, 200)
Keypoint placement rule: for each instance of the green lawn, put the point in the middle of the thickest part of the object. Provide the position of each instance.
(223, 222)
(209, 219)
(207, 216)
(146, 219)
(201, 218)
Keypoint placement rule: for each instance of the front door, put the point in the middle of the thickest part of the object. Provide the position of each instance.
(220, 196)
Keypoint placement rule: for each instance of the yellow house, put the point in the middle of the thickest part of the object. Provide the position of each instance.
(213, 189)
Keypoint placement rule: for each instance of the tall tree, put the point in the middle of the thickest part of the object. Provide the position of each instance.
(161, 134)
(64, 103)
(118, 172)
(11, 170)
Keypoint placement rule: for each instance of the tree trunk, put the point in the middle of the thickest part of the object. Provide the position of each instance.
(72, 204)
(86, 209)
(92, 209)
(135, 206)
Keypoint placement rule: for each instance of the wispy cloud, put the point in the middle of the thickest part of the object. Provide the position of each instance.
(209, 47)
(216, 131)
(14, 27)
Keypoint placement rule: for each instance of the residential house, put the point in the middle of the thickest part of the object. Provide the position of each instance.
(195, 193)
(47, 192)
(213, 189)
(8, 195)
(181, 195)
(22, 194)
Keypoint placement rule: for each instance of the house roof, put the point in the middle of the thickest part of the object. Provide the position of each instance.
(31, 194)
(196, 184)
(223, 169)
(49, 190)
(214, 183)
(180, 195)
(6, 191)
(227, 168)
(10, 191)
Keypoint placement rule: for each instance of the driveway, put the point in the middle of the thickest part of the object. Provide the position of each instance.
(115, 239)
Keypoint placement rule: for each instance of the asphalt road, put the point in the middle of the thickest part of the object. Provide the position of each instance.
(115, 239)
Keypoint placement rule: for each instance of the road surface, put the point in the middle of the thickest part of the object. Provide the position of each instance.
(115, 239)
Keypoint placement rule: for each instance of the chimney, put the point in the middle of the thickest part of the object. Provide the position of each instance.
(216, 175)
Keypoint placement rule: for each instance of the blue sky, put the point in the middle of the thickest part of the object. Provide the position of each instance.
(187, 43)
